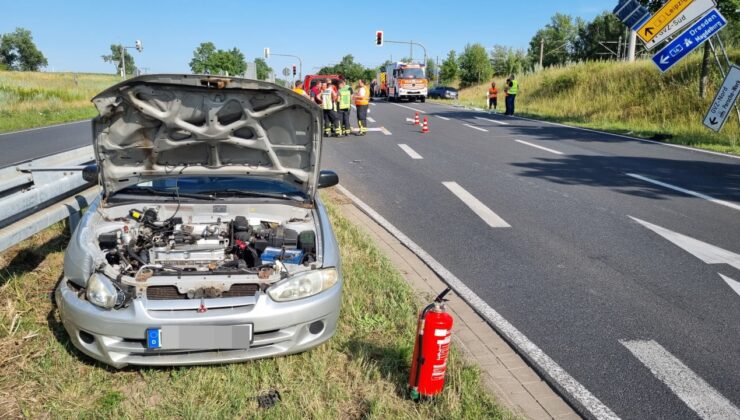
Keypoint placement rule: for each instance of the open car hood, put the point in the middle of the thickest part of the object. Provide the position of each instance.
(165, 125)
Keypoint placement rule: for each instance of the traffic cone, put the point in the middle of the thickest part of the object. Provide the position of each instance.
(416, 119)
(425, 127)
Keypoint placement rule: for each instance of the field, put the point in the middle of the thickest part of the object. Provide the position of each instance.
(360, 373)
(31, 99)
(624, 98)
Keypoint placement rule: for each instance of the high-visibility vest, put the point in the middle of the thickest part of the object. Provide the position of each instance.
(345, 98)
(514, 89)
(326, 102)
(365, 98)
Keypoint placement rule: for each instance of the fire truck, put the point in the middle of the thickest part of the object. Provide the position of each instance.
(406, 81)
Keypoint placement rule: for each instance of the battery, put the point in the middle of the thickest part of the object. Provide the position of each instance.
(292, 256)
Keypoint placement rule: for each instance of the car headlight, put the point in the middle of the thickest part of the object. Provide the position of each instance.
(101, 291)
(303, 285)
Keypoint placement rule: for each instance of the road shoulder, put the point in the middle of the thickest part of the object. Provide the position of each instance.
(507, 376)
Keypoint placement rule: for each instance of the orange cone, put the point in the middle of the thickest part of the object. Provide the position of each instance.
(425, 127)
(416, 119)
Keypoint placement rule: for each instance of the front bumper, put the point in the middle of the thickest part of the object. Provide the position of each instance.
(118, 337)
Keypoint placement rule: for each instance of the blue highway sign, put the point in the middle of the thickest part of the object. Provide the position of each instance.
(706, 27)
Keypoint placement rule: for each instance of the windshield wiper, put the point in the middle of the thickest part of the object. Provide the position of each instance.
(243, 193)
(173, 194)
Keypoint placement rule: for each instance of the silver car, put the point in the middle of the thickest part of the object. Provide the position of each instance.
(209, 243)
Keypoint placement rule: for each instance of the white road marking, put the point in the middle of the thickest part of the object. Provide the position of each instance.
(734, 284)
(442, 118)
(410, 120)
(687, 192)
(371, 119)
(408, 107)
(44, 127)
(476, 128)
(579, 395)
(409, 151)
(495, 121)
(710, 254)
(687, 385)
(372, 104)
(492, 219)
(385, 131)
(539, 147)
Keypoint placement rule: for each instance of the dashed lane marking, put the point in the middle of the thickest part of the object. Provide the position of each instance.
(685, 191)
(492, 219)
(539, 147)
(476, 128)
(494, 121)
(411, 152)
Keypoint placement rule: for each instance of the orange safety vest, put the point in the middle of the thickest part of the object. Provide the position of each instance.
(365, 99)
(492, 93)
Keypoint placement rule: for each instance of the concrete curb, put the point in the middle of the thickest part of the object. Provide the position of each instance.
(513, 382)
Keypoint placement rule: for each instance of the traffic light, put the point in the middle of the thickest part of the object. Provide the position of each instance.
(267, 53)
(139, 47)
(379, 38)
(294, 70)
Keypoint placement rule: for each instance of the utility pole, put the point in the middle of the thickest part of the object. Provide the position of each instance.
(633, 47)
(542, 51)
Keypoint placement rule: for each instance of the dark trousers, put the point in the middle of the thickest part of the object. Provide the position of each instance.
(362, 117)
(492, 102)
(344, 121)
(510, 103)
(330, 121)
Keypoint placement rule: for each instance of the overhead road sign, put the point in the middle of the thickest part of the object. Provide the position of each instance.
(631, 13)
(706, 27)
(725, 100)
(662, 18)
(682, 20)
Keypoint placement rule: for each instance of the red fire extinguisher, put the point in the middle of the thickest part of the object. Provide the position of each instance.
(429, 363)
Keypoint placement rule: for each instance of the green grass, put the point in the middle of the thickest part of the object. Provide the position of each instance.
(34, 99)
(634, 99)
(360, 373)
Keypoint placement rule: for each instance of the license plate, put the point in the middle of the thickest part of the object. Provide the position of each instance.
(199, 337)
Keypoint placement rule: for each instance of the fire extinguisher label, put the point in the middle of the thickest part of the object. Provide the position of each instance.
(438, 371)
(441, 333)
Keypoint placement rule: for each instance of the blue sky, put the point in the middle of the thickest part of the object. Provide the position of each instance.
(73, 34)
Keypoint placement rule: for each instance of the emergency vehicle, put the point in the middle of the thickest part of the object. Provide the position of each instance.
(406, 81)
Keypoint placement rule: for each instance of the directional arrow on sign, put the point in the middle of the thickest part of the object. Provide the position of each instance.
(662, 18)
(649, 31)
(713, 121)
(676, 50)
(710, 254)
(681, 21)
(664, 59)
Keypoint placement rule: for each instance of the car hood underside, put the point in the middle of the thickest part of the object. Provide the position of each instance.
(167, 125)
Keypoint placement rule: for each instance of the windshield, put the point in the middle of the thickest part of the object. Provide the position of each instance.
(194, 185)
(410, 74)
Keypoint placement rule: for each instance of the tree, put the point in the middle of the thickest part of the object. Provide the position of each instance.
(263, 70)
(507, 60)
(605, 28)
(475, 66)
(450, 69)
(431, 69)
(18, 52)
(115, 58)
(350, 70)
(208, 59)
(560, 36)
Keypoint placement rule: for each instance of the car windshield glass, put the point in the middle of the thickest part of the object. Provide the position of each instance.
(411, 74)
(210, 186)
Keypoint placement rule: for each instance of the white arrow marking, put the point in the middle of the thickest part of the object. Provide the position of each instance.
(710, 254)
(664, 59)
(734, 284)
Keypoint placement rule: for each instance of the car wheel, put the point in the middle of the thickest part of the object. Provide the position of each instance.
(423, 99)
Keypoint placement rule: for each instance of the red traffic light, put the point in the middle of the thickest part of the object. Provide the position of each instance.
(294, 70)
(379, 38)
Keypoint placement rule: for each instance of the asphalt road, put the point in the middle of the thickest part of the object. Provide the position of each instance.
(606, 252)
(612, 256)
(24, 145)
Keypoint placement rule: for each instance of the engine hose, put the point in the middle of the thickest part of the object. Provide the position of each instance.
(134, 255)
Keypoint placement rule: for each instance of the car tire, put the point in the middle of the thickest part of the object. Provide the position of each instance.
(423, 99)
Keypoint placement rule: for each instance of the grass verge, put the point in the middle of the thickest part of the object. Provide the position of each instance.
(360, 373)
(632, 99)
(34, 99)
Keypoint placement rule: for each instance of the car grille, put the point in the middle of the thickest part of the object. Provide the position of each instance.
(172, 293)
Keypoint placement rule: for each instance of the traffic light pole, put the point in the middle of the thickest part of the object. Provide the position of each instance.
(300, 62)
(411, 44)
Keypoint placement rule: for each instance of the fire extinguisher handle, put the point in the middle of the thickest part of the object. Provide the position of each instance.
(441, 297)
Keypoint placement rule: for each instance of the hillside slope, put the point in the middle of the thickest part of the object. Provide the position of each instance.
(625, 98)
(33, 99)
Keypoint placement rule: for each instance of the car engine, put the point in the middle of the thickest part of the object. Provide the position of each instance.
(220, 246)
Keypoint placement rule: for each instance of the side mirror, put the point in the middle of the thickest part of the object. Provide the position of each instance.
(328, 179)
(90, 173)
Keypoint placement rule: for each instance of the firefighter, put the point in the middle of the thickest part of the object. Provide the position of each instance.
(493, 97)
(345, 104)
(329, 105)
(362, 99)
(511, 89)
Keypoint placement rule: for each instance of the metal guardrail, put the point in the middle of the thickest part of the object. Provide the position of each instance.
(36, 194)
